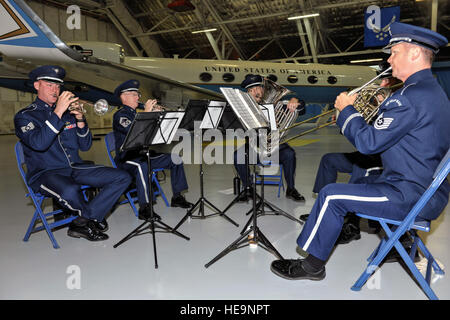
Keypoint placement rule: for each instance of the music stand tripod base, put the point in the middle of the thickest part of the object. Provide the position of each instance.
(141, 136)
(200, 204)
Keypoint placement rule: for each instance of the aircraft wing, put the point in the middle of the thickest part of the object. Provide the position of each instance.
(26, 42)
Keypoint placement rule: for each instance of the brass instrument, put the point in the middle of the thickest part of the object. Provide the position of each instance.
(159, 107)
(370, 96)
(369, 100)
(100, 108)
(284, 118)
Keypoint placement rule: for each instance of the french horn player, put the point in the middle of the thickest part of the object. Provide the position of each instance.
(361, 167)
(412, 135)
(254, 84)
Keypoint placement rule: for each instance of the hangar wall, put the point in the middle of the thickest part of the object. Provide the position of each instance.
(91, 29)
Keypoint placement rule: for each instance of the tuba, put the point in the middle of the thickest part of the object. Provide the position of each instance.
(284, 118)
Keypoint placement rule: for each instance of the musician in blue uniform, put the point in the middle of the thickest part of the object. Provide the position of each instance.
(363, 168)
(254, 84)
(412, 135)
(52, 137)
(135, 163)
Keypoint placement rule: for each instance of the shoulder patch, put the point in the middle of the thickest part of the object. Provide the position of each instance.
(382, 123)
(124, 121)
(30, 126)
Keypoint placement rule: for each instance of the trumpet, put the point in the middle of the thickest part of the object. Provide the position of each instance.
(159, 107)
(100, 108)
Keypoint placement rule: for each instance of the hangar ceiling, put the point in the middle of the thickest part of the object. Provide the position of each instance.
(258, 29)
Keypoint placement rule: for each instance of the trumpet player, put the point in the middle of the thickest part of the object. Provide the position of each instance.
(412, 135)
(136, 164)
(255, 87)
(52, 137)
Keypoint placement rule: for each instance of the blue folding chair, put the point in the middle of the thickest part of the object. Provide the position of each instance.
(110, 148)
(38, 200)
(408, 224)
(272, 179)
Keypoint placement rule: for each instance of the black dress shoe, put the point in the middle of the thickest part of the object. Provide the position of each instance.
(293, 270)
(394, 256)
(294, 195)
(144, 213)
(181, 202)
(245, 196)
(304, 217)
(348, 233)
(87, 232)
(101, 226)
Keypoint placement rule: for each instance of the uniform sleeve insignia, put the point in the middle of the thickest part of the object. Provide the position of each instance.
(28, 127)
(382, 123)
(124, 121)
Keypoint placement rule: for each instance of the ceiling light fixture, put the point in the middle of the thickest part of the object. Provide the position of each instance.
(366, 60)
(206, 30)
(304, 16)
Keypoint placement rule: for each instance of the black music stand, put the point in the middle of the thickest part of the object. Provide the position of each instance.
(211, 112)
(147, 129)
(257, 236)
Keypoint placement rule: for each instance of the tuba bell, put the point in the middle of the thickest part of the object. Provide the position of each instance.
(284, 118)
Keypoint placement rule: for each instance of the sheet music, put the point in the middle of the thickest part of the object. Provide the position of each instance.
(269, 112)
(247, 110)
(168, 127)
(212, 116)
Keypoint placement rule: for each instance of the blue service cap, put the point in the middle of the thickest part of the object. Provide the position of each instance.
(48, 73)
(129, 85)
(402, 32)
(252, 80)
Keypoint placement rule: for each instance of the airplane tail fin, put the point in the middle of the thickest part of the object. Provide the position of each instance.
(24, 35)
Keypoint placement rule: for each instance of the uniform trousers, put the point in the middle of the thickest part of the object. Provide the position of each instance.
(138, 168)
(325, 221)
(355, 163)
(64, 186)
(286, 158)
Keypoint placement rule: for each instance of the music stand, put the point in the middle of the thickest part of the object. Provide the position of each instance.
(268, 111)
(251, 117)
(147, 129)
(211, 117)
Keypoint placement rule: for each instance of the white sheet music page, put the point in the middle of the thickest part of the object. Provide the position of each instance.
(213, 114)
(168, 127)
(245, 108)
(269, 112)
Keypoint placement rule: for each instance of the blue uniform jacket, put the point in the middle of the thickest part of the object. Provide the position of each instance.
(412, 133)
(49, 142)
(121, 125)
